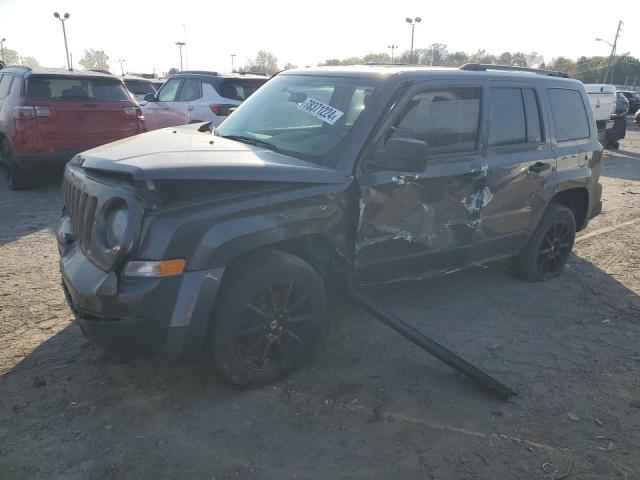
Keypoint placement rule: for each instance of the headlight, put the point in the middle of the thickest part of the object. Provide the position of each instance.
(115, 225)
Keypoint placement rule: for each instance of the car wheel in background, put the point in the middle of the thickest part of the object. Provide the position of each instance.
(18, 178)
(271, 312)
(548, 249)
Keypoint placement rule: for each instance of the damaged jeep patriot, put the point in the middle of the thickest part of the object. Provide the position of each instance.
(223, 241)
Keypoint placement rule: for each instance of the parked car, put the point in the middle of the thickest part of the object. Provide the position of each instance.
(618, 130)
(197, 96)
(139, 87)
(636, 118)
(634, 100)
(603, 102)
(48, 116)
(225, 240)
(157, 84)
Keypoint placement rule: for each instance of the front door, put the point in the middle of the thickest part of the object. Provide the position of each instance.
(413, 223)
(166, 111)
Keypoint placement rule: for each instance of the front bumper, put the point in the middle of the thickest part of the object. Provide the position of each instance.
(161, 316)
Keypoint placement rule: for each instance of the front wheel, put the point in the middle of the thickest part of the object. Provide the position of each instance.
(548, 249)
(18, 179)
(270, 316)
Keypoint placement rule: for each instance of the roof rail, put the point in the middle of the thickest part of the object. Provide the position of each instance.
(20, 67)
(198, 72)
(483, 67)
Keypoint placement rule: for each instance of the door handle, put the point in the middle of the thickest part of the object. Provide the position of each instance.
(191, 109)
(539, 167)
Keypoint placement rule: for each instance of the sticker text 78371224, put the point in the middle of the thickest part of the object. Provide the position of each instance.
(320, 110)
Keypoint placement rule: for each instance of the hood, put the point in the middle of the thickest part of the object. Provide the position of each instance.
(184, 153)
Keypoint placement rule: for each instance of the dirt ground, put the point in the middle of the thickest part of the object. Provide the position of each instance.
(368, 404)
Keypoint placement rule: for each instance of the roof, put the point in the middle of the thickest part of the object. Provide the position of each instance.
(27, 72)
(134, 77)
(419, 71)
(221, 75)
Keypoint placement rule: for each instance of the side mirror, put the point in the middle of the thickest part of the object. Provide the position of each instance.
(402, 153)
(150, 97)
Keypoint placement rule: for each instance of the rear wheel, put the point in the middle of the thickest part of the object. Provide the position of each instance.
(18, 179)
(271, 314)
(549, 247)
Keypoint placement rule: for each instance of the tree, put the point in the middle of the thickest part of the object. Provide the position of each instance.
(563, 64)
(289, 66)
(434, 54)
(377, 58)
(95, 60)
(11, 57)
(330, 62)
(172, 71)
(481, 56)
(265, 62)
(456, 59)
(30, 62)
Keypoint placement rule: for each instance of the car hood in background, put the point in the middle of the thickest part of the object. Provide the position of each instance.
(184, 153)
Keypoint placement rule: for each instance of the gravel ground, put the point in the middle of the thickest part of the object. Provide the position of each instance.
(368, 404)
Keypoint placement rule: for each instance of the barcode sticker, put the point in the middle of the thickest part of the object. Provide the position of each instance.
(324, 112)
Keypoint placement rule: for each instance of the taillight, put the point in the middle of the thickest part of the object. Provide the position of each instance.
(221, 110)
(28, 112)
(133, 112)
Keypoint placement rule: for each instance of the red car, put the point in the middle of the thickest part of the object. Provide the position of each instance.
(48, 116)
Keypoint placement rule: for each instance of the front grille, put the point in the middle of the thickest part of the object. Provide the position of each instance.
(81, 208)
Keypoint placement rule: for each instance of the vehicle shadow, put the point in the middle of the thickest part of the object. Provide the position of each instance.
(622, 164)
(71, 410)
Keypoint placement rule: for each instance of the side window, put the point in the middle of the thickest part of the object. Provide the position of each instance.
(570, 118)
(5, 85)
(507, 124)
(168, 91)
(445, 118)
(191, 90)
(532, 113)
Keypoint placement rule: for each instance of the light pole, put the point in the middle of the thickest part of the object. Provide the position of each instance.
(413, 26)
(180, 45)
(121, 67)
(233, 56)
(392, 47)
(64, 33)
(611, 65)
(2, 40)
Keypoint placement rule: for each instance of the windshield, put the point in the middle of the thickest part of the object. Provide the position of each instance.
(139, 87)
(63, 88)
(308, 117)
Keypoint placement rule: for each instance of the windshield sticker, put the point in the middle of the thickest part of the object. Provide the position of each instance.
(324, 112)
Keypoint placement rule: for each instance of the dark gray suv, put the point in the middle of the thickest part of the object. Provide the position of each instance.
(224, 240)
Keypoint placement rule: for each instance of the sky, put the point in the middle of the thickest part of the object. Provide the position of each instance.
(143, 33)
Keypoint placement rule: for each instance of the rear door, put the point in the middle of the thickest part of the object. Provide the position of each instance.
(83, 112)
(164, 112)
(520, 172)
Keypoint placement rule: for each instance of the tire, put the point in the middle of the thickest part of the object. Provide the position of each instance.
(271, 314)
(548, 249)
(18, 179)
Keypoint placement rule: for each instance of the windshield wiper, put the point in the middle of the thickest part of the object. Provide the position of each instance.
(250, 140)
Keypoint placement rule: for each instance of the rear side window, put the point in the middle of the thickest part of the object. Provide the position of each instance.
(61, 89)
(5, 85)
(191, 90)
(238, 90)
(514, 117)
(445, 118)
(570, 118)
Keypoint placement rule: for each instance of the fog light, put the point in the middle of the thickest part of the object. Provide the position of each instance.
(163, 268)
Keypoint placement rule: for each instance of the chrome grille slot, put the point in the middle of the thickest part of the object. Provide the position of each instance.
(81, 208)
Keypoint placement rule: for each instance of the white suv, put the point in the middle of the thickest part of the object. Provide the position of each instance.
(196, 96)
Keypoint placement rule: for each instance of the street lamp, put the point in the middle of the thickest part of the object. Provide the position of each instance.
(64, 33)
(180, 45)
(2, 40)
(233, 56)
(392, 47)
(413, 26)
(121, 67)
